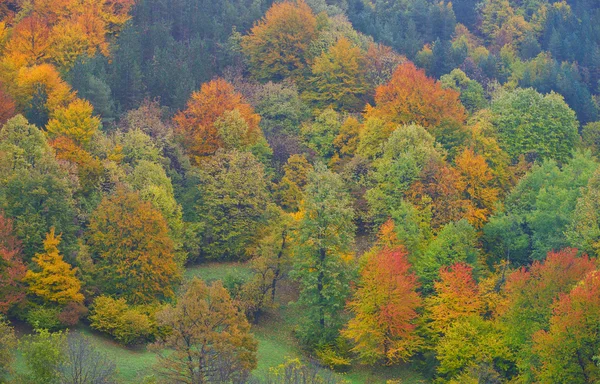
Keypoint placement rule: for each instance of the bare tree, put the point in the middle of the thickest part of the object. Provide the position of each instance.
(84, 364)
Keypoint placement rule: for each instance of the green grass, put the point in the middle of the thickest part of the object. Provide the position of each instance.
(274, 333)
(218, 271)
(133, 364)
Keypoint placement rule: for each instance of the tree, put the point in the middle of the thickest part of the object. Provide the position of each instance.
(43, 355)
(385, 308)
(324, 236)
(470, 343)
(132, 250)
(346, 142)
(584, 230)
(321, 133)
(12, 269)
(271, 263)
(127, 324)
(457, 296)
(472, 94)
(568, 348)
(7, 106)
(196, 124)
(338, 78)
(412, 97)
(34, 190)
(8, 343)
(289, 192)
(30, 42)
(277, 45)
(234, 198)
(280, 107)
(75, 122)
(477, 182)
(40, 90)
(539, 210)
(56, 280)
(209, 339)
(528, 122)
(84, 364)
(153, 185)
(405, 154)
(530, 297)
(438, 190)
(456, 242)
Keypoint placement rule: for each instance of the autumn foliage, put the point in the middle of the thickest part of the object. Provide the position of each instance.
(12, 269)
(277, 46)
(412, 97)
(456, 296)
(568, 349)
(55, 281)
(196, 124)
(385, 307)
(132, 250)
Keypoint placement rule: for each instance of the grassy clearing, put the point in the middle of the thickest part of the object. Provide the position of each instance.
(218, 271)
(274, 333)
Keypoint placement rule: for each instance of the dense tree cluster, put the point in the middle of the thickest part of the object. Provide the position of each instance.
(417, 180)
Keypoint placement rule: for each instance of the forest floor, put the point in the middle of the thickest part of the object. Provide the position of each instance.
(274, 332)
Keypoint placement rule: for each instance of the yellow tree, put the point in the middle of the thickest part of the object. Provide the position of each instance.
(477, 184)
(209, 338)
(30, 41)
(75, 122)
(277, 45)
(56, 280)
(338, 78)
(456, 296)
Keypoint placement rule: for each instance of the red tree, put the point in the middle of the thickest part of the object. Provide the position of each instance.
(12, 270)
(196, 124)
(385, 308)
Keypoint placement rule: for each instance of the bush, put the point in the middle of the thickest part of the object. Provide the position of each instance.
(333, 358)
(71, 314)
(127, 324)
(44, 318)
(293, 371)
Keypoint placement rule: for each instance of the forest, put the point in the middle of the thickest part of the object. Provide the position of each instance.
(299, 191)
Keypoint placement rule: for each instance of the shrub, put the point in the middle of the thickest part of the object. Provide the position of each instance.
(127, 324)
(71, 314)
(44, 318)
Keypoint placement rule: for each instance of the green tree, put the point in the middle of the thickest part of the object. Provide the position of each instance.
(43, 353)
(234, 199)
(472, 94)
(455, 243)
(584, 230)
(8, 343)
(322, 266)
(405, 153)
(34, 190)
(469, 343)
(539, 210)
(528, 122)
(338, 78)
(280, 108)
(321, 133)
